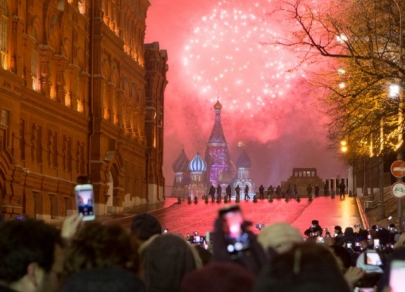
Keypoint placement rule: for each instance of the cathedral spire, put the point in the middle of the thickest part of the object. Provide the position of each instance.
(217, 134)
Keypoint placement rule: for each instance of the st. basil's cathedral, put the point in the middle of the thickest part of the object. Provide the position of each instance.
(194, 178)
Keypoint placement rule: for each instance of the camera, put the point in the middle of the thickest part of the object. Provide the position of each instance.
(357, 226)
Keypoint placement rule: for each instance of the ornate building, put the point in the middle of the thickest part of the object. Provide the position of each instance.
(197, 186)
(244, 164)
(219, 167)
(219, 164)
(181, 176)
(80, 95)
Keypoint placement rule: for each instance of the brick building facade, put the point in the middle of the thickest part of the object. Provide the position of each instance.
(80, 94)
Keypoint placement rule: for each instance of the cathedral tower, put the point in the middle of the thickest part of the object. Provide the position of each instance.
(217, 157)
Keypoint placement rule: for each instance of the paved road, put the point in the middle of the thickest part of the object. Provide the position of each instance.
(184, 218)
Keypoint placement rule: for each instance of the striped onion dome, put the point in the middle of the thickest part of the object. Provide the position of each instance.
(181, 163)
(197, 164)
(244, 160)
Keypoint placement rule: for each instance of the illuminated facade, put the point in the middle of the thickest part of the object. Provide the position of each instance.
(219, 168)
(219, 164)
(243, 163)
(80, 95)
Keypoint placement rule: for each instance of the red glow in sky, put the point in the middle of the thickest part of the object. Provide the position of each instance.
(216, 48)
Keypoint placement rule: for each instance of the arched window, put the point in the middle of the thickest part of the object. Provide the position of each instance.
(34, 61)
(3, 33)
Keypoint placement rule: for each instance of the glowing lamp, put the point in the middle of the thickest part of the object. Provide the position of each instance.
(394, 90)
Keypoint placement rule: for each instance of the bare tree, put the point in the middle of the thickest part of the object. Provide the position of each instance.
(357, 44)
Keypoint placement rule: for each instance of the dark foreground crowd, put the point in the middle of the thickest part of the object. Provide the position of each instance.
(90, 256)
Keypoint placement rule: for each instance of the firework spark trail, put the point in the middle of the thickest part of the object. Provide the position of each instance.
(215, 49)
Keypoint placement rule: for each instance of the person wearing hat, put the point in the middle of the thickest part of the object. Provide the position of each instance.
(314, 230)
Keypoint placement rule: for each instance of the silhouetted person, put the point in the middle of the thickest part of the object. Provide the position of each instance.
(219, 190)
(278, 192)
(325, 190)
(270, 192)
(247, 197)
(342, 188)
(229, 192)
(295, 192)
(237, 190)
(289, 192)
(309, 191)
(261, 192)
(212, 193)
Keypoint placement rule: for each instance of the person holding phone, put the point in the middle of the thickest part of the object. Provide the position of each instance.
(234, 242)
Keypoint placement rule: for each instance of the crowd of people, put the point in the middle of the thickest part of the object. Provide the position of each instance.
(91, 256)
(290, 192)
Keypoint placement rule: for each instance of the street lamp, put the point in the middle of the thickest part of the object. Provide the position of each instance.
(398, 89)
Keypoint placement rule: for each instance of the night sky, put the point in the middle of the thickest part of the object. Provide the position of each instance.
(221, 48)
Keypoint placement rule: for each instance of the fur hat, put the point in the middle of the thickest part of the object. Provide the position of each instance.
(315, 222)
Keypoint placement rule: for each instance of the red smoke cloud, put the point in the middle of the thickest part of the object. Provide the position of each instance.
(215, 48)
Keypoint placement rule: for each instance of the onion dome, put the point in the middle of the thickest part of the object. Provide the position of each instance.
(244, 160)
(218, 105)
(232, 169)
(181, 163)
(197, 164)
(226, 177)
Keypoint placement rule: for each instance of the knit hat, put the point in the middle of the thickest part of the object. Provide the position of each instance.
(145, 225)
(279, 236)
(103, 280)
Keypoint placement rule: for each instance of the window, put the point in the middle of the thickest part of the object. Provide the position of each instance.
(5, 118)
(82, 7)
(22, 139)
(34, 62)
(3, 33)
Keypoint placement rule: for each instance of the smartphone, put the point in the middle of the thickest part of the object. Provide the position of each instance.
(376, 243)
(85, 201)
(237, 241)
(349, 245)
(397, 276)
(320, 239)
(372, 258)
(233, 221)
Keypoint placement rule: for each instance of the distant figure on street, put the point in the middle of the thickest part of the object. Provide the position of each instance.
(261, 192)
(309, 191)
(325, 190)
(247, 197)
(229, 192)
(219, 191)
(212, 193)
(237, 190)
(270, 192)
(289, 192)
(278, 192)
(295, 192)
(342, 188)
(316, 191)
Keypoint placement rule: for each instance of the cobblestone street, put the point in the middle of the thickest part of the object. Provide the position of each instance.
(185, 218)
